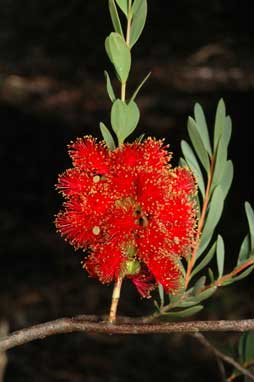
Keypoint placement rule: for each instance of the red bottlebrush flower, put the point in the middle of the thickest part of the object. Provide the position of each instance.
(127, 207)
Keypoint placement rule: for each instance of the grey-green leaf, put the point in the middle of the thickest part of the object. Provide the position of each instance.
(139, 11)
(206, 294)
(114, 17)
(161, 294)
(185, 313)
(211, 275)
(250, 217)
(245, 250)
(109, 86)
(205, 261)
(134, 95)
(219, 122)
(242, 275)
(123, 5)
(198, 144)
(202, 127)
(246, 347)
(193, 165)
(199, 285)
(212, 219)
(107, 136)
(119, 54)
(227, 177)
(220, 255)
(124, 119)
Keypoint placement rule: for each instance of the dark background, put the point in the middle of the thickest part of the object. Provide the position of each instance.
(51, 91)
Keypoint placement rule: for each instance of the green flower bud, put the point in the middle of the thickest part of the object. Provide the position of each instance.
(132, 267)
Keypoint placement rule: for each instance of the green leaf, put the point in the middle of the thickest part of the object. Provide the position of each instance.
(206, 294)
(197, 299)
(244, 274)
(134, 95)
(140, 138)
(227, 177)
(219, 122)
(119, 54)
(161, 294)
(139, 11)
(185, 313)
(245, 250)
(109, 86)
(250, 217)
(211, 275)
(123, 5)
(202, 127)
(220, 255)
(124, 119)
(107, 136)
(206, 260)
(199, 285)
(222, 153)
(114, 17)
(213, 217)
(193, 165)
(198, 144)
(246, 347)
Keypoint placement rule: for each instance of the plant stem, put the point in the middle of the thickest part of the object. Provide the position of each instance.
(200, 224)
(223, 356)
(246, 365)
(234, 272)
(127, 39)
(115, 300)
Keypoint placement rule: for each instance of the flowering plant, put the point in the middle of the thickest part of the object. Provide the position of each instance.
(135, 216)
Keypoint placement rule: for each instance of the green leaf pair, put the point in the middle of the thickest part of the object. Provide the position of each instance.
(136, 15)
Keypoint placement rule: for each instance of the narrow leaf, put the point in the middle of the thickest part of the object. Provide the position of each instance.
(114, 17)
(202, 127)
(206, 294)
(250, 217)
(109, 86)
(211, 275)
(220, 255)
(199, 285)
(119, 54)
(185, 313)
(213, 217)
(193, 165)
(206, 260)
(245, 250)
(107, 136)
(219, 122)
(123, 5)
(198, 144)
(161, 294)
(244, 274)
(227, 177)
(139, 10)
(249, 346)
(134, 95)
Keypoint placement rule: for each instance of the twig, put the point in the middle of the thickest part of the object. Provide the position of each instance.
(223, 356)
(123, 326)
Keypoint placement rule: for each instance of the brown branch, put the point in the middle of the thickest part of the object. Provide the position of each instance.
(223, 356)
(92, 324)
(234, 272)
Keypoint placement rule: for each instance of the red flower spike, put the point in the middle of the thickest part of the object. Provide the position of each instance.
(128, 205)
